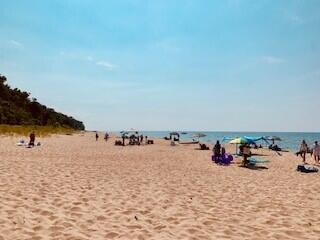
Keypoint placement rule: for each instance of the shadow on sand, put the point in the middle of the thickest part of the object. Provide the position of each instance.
(252, 167)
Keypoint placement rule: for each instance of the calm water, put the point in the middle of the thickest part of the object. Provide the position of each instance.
(290, 140)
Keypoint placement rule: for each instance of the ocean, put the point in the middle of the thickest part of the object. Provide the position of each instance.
(290, 140)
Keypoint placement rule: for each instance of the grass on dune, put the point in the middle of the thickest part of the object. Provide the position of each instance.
(40, 131)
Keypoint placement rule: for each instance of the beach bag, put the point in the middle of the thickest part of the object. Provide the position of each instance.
(307, 169)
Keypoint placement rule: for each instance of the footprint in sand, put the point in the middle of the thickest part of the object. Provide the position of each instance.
(101, 218)
(37, 228)
(111, 235)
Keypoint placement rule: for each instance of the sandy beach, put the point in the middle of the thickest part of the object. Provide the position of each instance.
(73, 187)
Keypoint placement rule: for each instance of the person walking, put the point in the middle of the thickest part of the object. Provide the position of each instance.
(303, 150)
(123, 140)
(316, 152)
(97, 136)
(106, 136)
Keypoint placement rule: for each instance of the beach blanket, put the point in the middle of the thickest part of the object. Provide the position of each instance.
(21, 143)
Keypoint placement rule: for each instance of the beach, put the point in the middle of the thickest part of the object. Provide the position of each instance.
(72, 187)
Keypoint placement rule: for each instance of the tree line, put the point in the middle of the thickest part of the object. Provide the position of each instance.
(18, 108)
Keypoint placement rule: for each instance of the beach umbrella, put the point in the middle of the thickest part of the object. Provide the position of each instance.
(198, 135)
(241, 140)
(273, 138)
(174, 133)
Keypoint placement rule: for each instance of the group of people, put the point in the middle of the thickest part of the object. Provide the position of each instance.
(219, 153)
(220, 156)
(106, 136)
(314, 151)
(134, 139)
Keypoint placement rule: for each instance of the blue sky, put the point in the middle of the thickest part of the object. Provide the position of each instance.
(168, 65)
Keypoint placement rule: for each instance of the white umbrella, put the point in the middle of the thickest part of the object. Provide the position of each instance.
(198, 135)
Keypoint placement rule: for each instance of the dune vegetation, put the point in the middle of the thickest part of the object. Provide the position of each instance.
(20, 113)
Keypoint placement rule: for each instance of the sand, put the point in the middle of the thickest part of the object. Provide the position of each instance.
(75, 188)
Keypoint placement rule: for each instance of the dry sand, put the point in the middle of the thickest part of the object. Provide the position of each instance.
(75, 188)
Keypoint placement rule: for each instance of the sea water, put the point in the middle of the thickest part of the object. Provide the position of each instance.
(290, 140)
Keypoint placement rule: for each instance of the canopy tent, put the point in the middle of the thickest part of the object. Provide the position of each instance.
(130, 132)
(227, 139)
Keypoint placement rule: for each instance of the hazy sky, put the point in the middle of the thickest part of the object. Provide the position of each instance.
(164, 64)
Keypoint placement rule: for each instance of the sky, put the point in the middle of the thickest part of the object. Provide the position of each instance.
(233, 65)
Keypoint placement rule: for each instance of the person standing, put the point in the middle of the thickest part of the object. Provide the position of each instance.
(316, 152)
(32, 137)
(123, 139)
(97, 136)
(303, 150)
(246, 154)
(217, 150)
(106, 136)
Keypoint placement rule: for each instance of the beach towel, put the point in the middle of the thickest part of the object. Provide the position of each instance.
(254, 161)
(21, 143)
(307, 169)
